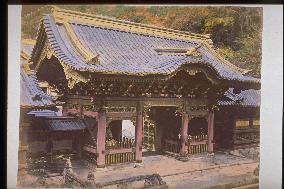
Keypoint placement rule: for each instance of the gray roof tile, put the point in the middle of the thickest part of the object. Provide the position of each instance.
(65, 124)
(131, 53)
(249, 97)
(31, 94)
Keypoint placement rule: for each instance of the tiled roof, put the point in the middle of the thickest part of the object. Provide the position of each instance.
(249, 97)
(123, 50)
(64, 124)
(42, 113)
(31, 95)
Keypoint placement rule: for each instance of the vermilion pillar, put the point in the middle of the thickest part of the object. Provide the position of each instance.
(184, 128)
(210, 131)
(101, 138)
(138, 133)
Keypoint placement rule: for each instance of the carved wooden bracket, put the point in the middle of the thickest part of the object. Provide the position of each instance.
(198, 111)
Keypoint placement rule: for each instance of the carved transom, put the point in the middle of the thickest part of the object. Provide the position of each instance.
(120, 109)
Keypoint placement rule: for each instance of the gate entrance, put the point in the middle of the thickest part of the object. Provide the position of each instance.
(161, 124)
(163, 132)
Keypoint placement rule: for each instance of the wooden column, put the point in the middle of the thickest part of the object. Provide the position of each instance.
(210, 131)
(138, 133)
(184, 128)
(101, 138)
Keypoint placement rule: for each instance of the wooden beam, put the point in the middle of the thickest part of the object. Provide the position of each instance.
(90, 114)
(121, 114)
(119, 151)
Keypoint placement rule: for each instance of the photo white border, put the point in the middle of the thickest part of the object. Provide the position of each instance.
(271, 98)
(13, 96)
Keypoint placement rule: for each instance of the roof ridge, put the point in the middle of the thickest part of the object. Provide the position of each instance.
(92, 19)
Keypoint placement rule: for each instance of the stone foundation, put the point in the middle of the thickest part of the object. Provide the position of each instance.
(251, 153)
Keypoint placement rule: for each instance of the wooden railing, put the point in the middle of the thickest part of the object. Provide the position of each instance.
(114, 158)
(120, 151)
(122, 143)
(116, 151)
(197, 144)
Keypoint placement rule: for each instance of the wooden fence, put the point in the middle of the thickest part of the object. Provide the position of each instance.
(195, 145)
(120, 151)
(116, 151)
(119, 158)
(122, 143)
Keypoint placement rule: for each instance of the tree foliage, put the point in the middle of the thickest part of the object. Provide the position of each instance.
(235, 31)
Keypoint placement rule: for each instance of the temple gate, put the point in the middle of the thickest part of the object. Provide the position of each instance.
(134, 69)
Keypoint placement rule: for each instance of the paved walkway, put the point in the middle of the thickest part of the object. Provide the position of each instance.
(199, 172)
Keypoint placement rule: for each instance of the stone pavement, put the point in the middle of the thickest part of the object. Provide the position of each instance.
(199, 172)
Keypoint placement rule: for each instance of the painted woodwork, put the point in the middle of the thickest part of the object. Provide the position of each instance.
(184, 128)
(138, 133)
(210, 132)
(149, 131)
(101, 138)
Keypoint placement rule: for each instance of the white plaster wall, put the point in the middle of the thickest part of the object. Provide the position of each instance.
(128, 129)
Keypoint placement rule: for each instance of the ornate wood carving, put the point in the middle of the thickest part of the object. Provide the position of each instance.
(149, 129)
(120, 109)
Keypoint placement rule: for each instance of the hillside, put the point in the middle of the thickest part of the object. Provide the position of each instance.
(235, 31)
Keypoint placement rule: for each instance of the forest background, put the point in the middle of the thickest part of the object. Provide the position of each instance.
(236, 31)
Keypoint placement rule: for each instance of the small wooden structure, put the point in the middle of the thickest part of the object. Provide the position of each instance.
(32, 100)
(41, 131)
